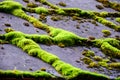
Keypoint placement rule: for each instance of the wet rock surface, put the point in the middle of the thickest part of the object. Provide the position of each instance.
(12, 57)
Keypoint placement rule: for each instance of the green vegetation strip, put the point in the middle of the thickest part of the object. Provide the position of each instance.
(113, 5)
(18, 73)
(16, 9)
(57, 36)
(68, 71)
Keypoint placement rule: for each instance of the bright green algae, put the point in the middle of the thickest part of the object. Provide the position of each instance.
(33, 49)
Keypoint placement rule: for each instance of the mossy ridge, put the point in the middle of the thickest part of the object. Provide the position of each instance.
(110, 50)
(111, 41)
(24, 43)
(44, 39)
(88, 53)
(2, 41)
(58, 36)
(22, 74)
(65, 37)
(15, 9)
(9, 6)
(109, 46)
(107, 23)
(73, 73)
(107, 14)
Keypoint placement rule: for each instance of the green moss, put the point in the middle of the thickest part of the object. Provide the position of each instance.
(115, 65)
(97, 58)
(23, 42)
(73, 73)
(118, 20)
(93, 64)
(110, 50)
(106, 32)
(48, 57)
(89, 14)
(104, 14)
(107, 23)
(15, 8)
(9, 6)
(55, 18)
(32, 5)
(111, 41)
(118, 78)
(18, 73)
(8, 30)
(112, 5)
(115, 5)
(49, 4)
(40, 10)
(12, 35)
(33, 49)
(45, 39)
(87, 60)
(34, 52)
(62, 4)
(103, 64)
(60, 11)
(65, 37)
(88, 53)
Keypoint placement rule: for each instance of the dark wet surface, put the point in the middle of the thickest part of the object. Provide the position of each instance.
(12, 57)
